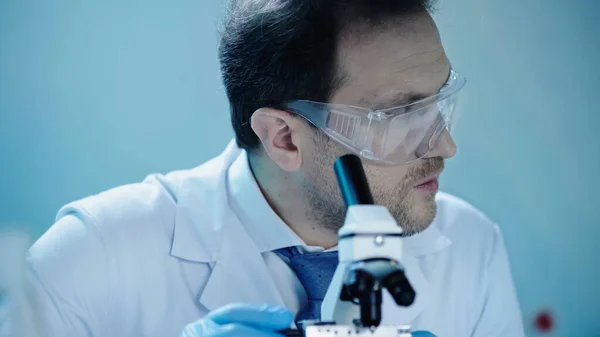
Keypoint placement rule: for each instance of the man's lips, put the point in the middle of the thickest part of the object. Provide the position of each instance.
(430, 183)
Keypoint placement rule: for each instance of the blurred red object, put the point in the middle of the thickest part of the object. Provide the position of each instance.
(544, 321)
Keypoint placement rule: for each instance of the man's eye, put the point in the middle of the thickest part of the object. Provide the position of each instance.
(444, 87)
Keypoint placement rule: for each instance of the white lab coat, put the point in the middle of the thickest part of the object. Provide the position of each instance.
(146, 259)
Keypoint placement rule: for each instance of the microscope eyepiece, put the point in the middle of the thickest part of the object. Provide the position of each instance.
(352, 181)
(365, 281)
(399, 287)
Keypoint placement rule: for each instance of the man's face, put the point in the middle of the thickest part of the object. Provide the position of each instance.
(406, 58)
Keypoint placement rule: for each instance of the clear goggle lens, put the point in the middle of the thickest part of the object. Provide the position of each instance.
(395, 136)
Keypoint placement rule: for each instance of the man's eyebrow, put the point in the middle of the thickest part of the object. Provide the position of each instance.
(400, 99)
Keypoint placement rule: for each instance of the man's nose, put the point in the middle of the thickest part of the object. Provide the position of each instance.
(444, 146)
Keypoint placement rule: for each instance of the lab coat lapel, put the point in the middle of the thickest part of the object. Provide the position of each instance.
(208, 231)
(240, 273)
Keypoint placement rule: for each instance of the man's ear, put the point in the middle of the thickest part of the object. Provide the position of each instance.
(277, 131)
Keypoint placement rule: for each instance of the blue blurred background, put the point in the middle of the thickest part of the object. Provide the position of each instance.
(98, 94)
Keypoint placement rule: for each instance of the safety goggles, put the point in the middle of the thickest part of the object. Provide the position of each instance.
(393, 136)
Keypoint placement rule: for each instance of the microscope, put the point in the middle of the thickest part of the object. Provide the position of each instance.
(370, 255)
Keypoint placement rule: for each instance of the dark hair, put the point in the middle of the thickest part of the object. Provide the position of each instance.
(273, 51)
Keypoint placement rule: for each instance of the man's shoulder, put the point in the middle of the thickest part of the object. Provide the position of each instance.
(118, 226)
(107, 254)
(145, 213)
(152, 200)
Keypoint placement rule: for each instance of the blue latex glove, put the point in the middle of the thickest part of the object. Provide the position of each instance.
(422, 334)
(248, 320)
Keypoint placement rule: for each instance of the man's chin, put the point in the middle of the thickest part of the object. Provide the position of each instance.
(418, 214)
(426, 207)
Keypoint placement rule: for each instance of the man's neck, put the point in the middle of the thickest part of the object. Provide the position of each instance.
(288, 202)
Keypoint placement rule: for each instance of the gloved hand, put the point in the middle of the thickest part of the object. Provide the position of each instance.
(422, 334)
(249, 320)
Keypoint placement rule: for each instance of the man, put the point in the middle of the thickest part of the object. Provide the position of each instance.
(308, 81)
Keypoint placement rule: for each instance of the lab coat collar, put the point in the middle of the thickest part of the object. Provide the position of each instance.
(217, 192)
(268, 231)
(427, 242)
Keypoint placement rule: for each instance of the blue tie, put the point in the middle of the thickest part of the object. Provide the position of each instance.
(315, 271)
